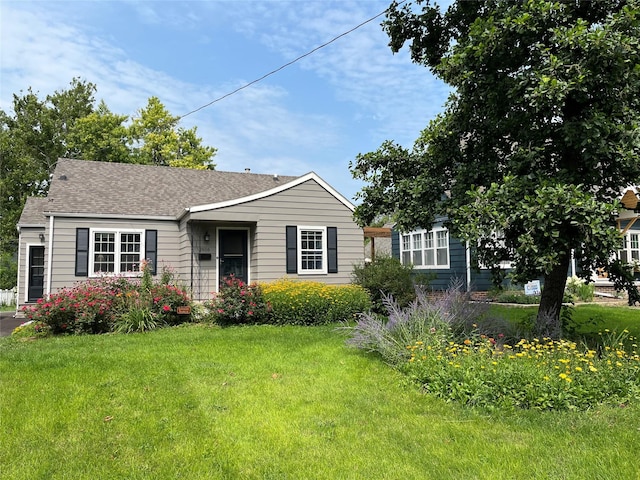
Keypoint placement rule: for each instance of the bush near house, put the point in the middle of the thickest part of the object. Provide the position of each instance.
(295, 302)
(110, 303)
(386, 276)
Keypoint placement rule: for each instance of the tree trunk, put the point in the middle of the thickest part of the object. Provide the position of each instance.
(548, 320)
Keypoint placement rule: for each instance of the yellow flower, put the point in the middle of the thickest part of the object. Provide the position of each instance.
(578, 369)
(592, 368)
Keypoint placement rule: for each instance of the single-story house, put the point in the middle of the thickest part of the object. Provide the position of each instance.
(103, 218)
(447, 258)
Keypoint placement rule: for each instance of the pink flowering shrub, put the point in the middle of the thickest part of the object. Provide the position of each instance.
(88, 307)
(98, 305)
(238, 302)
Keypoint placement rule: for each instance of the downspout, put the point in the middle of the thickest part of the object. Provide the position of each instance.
(573, 263)
(467, 255)
(18, 279)
(49, 257)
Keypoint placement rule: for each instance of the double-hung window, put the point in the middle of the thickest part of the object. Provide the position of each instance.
(312, 250)
(426, 248)
(116, 251)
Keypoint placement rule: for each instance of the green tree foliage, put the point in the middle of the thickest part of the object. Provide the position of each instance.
(68, 124)
(31, 141)
(541, 133)
(101, 136)
(158, 140)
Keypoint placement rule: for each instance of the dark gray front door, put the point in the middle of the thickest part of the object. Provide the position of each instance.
(233, 258)
(36, 273)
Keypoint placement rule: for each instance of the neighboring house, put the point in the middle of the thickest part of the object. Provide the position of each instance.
(447, 258)
(441, 256)
(103, 218)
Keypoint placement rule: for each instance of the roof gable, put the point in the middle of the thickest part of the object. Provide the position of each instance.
(280, 188)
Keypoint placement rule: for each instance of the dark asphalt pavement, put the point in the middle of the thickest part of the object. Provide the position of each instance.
(8, 322)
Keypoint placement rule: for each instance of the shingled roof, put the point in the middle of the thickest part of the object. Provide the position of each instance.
(103, 188)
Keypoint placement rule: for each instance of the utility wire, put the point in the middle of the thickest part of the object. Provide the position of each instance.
(289, 63)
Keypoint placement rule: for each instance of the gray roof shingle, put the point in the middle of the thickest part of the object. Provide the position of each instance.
(103, 188)
(32, 212)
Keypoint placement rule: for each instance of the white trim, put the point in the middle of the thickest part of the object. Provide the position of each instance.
(248, 230)
(116, 254)
(26, 271)
(273, 191)
(325, 250)
(165, 218)
(50, 257)
(18, 285)
(467, 259)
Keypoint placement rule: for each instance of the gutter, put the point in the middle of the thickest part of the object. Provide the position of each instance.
(50, 257)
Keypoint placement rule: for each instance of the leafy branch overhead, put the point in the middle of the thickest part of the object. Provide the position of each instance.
(542, 127)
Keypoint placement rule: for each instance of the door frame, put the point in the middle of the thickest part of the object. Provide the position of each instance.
(218, 229)
(27, 273)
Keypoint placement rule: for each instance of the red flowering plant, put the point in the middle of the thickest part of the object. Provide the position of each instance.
(165, 300)
(236, 302)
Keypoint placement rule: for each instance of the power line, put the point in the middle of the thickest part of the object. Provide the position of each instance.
(289, 63)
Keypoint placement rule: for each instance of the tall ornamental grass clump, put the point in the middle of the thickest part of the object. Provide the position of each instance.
(295, 302)
(441, 318)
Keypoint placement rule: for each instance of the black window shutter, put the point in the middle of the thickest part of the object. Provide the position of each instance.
(151, 249)
(82, 252)
(292, 249)
(332, 250)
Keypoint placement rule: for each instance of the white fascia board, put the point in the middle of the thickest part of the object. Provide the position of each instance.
(113, 216)
(273, 191)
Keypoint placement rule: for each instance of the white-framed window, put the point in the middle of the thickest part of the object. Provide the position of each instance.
(312, 250)
(116, 252)
(499, 242)
(426, 248)
(630, 251)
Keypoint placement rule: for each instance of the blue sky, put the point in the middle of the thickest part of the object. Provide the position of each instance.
(315, 115)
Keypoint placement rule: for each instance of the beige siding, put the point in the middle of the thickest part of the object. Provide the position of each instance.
(64, 245)
(307, 204)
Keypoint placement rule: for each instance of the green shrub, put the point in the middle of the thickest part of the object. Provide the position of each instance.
(313, 303)
(237, 303)
(578, 289)
(515, 296)
(386, 276)
(30, 330)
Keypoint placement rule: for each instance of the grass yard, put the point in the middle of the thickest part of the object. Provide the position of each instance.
(271, 402)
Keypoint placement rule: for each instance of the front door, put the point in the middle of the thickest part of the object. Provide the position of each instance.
(36, 273)
(232, 255)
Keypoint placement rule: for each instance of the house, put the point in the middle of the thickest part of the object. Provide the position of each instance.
(103, 218)
(445, 258)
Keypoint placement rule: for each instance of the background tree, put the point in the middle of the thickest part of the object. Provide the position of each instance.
(158, 140)
(100, 136)
(67, 124)
(534, 145)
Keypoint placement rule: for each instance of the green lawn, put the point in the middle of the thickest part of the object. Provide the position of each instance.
(271, 402)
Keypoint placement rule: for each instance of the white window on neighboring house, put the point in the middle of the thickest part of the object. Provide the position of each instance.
(630, 251)
(498, 240)
(426, 249)
(116, 252)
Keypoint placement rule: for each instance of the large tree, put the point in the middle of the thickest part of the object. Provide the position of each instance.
(540, 134)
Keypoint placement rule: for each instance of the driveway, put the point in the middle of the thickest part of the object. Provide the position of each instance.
(8, 322)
